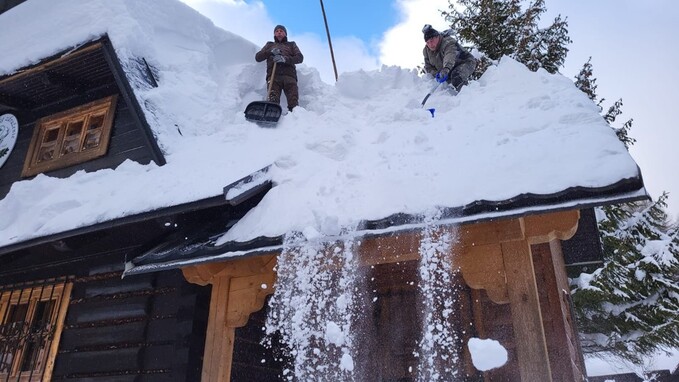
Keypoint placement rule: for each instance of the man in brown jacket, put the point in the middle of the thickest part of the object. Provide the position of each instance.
(285, 54)
(445, 59)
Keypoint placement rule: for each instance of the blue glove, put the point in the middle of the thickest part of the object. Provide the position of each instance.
(275, 52)
(279, 59)
(442, 76)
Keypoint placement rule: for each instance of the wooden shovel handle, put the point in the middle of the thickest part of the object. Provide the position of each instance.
(273, 73)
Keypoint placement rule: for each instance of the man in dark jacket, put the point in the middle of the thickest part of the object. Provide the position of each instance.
(445, 59)
(285, 54)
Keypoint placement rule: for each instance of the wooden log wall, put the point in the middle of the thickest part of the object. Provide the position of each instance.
(142, 328)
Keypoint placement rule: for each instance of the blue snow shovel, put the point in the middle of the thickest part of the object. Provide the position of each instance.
(433, 89)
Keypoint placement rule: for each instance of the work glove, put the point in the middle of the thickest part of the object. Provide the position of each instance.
(276, 52)
(442, 76)
(279, 59)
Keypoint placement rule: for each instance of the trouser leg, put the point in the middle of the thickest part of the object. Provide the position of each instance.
(460, 74)
(275, 95)
(291, 91)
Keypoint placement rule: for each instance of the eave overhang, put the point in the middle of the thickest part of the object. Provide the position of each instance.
(195, 250)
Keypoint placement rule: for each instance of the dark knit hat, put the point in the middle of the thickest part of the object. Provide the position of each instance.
(429, 32)
(281, 27)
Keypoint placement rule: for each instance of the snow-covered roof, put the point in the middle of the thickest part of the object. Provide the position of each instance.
(361, 149)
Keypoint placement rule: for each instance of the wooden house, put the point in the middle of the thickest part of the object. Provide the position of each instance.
(190, 308)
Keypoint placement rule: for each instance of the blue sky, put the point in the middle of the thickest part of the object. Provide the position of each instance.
(369, 18)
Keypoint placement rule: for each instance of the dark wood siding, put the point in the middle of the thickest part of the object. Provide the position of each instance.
(127, 142)
(142, 328)
(583, 252)
(252, 362)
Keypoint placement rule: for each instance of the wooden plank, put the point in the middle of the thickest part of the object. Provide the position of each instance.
(569, 357)
(104, 361)
(526, 317)
(204, 274)
(107, 310)
(116, 285)
(405, 246)
(74, 338)
(220, 338)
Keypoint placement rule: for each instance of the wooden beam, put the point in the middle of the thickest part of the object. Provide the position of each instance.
(529, 333)
(218, 354)
(239, 288)
(547, 227)
(204, 274)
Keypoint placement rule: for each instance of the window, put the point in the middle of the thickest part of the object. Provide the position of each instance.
(70, 137)
(31, 320)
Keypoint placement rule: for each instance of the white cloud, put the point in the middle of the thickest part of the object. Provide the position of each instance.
(252, 22)
(402, 44)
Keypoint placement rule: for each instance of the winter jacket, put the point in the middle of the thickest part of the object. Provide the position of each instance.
(451, 55)
(289, 50)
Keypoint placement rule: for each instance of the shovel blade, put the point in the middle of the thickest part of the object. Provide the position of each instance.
(263, 112)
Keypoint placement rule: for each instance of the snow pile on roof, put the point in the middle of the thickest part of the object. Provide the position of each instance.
(362, 149)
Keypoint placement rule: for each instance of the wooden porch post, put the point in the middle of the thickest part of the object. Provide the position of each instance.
(239, 287)
(531, 343)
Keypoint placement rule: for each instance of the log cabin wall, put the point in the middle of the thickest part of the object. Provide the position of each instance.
(141, 328)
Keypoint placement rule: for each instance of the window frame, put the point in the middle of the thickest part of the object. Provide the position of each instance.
(59, 295)
(59, 123)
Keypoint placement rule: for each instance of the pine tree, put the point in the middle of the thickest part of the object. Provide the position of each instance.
(502, 28)
(630, 306)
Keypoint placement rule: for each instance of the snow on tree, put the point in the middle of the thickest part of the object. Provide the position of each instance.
(502, 28)
(630, 306)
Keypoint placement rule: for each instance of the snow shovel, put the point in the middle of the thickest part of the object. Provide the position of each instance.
(433, 89)
(264, 113)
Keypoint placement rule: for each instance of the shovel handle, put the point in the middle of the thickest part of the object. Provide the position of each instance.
(430, 93)
(273, 74)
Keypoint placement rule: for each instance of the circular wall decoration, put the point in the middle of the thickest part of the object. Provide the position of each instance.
(9, 129)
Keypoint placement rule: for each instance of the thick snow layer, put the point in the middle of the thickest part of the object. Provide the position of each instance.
(361, 149)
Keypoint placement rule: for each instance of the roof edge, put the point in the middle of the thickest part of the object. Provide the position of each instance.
(398, 223)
